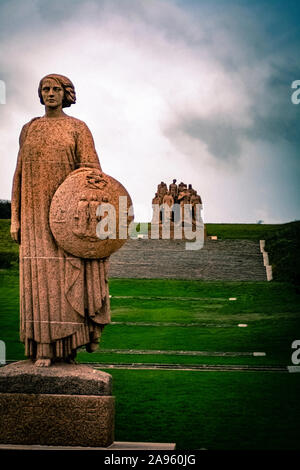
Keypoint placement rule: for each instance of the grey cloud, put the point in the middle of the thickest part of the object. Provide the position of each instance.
(240, 38)
(221, 137)
(275, 117)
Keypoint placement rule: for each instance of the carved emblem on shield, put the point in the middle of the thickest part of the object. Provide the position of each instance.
(75, 215)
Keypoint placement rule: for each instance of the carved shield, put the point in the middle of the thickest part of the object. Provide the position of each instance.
(89, 214)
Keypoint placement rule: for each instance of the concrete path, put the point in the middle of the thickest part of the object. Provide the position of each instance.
(191, 367)
(180, 352)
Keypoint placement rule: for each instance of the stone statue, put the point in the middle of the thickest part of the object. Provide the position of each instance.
(191, 190)
(173, 190)
(168, 199)
(179, 205)
(199, 200)
(93, 218)
(184, 197)
(194, 200)
(156, 199)
(82, 216)
(168, 202)
(162, 189)
(181, 187)
(64, 300)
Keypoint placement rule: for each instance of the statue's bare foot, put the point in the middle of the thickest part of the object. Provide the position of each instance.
(43, 362)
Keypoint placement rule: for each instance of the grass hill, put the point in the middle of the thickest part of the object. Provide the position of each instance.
(190, 323)
(9, 250)
(282, 244)
(242, 231)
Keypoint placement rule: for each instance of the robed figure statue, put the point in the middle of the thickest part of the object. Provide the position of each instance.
(64, 299)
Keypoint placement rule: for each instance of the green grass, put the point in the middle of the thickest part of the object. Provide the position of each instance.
(214, 410)
(6, 242)
(223, 231)
(242, 231)
(9, 250)
(282, 243)
(276, 342)
(271, 311)
(229, 231)
(283, 247)
(260, 337)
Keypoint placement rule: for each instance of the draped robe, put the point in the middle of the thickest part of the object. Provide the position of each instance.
(64, 300)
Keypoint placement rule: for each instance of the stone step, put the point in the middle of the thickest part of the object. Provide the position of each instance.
(217, 260)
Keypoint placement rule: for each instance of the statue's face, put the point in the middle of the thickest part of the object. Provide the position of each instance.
(52, 93)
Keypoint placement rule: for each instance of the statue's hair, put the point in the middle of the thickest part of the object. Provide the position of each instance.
(66, 84)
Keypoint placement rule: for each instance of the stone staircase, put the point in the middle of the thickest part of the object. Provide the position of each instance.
(224, 260)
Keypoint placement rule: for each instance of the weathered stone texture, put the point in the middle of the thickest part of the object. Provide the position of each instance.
(228, 260)
(58, 420)
(60, 378)
(74, 214)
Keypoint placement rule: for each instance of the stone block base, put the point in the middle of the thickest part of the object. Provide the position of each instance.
(56, 420)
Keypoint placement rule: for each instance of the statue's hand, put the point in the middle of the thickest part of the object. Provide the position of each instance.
(15, 232)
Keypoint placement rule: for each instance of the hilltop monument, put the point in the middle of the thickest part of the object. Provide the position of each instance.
(175, 203)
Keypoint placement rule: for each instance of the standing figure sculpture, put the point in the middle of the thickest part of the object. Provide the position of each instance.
(162, 189)
(64, 299)
(82, 215)
(168, 202)
(173, 189)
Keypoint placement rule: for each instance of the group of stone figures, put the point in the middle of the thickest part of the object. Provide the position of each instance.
(179, 196)
(86, 217)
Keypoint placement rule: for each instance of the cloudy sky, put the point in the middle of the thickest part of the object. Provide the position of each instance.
(194, 90)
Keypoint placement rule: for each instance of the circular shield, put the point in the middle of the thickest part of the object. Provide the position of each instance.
(89, 214)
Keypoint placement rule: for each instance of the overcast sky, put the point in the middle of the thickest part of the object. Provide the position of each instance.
(195, 90)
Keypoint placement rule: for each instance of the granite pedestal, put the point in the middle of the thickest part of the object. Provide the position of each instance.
(61, 405)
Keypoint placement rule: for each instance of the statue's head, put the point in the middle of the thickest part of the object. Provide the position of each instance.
(66, 84)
